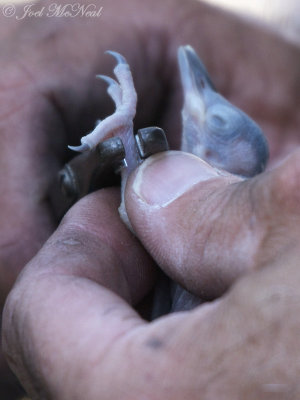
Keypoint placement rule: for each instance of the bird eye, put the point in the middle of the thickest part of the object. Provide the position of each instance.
(218, 120)
(223, 120)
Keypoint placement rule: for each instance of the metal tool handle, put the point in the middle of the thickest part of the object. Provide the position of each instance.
(98, 168)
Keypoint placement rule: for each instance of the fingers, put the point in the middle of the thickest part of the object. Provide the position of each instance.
(64, 86)
(71, 300)
(67, 335)
(29, 160)
(206, 228)
(49, 98)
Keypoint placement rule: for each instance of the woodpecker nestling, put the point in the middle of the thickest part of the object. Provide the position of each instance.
(212, 129)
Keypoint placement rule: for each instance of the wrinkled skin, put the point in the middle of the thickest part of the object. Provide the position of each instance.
(69, 328)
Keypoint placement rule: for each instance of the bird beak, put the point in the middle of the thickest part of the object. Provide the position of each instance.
(196, 83)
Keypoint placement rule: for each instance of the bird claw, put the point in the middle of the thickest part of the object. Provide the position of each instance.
(120, 59)
(114, 89)
(123, 93)
(80, 149)
(110, 81)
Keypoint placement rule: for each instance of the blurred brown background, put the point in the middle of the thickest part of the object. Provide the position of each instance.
(281, 15)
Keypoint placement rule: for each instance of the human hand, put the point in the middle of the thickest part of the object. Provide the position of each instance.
(49, 99)
(69, 326)
(74, 92)
(50, 96)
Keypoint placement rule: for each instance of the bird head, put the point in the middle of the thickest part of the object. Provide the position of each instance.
(213, 128)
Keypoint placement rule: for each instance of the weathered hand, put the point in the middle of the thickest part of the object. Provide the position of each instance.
(69, 327)
(50, 99)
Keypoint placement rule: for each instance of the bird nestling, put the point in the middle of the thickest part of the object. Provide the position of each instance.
(212, 129)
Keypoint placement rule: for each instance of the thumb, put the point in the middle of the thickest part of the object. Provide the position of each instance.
(198, 223)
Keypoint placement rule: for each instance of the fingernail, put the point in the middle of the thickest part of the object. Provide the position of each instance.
(166, 176)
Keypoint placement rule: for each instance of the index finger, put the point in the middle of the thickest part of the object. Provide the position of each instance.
(69, 331)
(89, 270)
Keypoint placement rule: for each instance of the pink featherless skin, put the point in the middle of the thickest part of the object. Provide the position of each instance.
(212, 129)
(119, 124)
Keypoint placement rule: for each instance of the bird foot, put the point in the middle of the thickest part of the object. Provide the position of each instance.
(120, 123)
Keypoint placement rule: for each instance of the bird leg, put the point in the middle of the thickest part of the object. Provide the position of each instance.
(120, 123)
